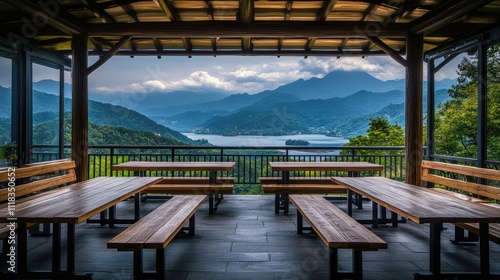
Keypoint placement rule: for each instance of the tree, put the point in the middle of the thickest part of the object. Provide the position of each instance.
(456, 119)
(379, 133)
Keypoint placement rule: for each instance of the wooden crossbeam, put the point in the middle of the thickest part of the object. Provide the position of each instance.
(444, 14)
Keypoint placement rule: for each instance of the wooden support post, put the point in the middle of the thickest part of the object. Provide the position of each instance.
(413, 130)
(80, 112)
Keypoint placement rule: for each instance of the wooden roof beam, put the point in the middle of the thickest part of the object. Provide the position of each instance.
(246, 43)
(168, 9)
(108, 55)
(325, 11)
(388, 50)
(210, 9)
(56, 17)
(158, 46)
(404, 9)
(97, 11)
(310, 43)
(246, 11)
(264, 29)
(444, 14)
(288, 10)
(130, 12)
(245, 53)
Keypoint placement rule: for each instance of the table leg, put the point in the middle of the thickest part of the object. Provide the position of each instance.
(212, 178)
(56, 248)
(137, 207)
(484, 240)
(285, 177)
(71, 249)
(374, 214)
(349, 202)
(435, 248)
(22, 265)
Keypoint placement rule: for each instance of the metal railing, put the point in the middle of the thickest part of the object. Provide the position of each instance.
(251, 162)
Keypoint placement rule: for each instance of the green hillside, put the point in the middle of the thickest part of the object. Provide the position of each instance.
(47, 133)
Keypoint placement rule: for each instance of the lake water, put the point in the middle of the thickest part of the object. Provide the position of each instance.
(315, 140)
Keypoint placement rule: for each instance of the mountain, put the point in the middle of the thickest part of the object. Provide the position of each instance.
(347, 116)
(147, 103)
(51, 86)
(46, 107)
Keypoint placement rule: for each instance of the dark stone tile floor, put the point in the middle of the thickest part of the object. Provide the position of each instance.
(244, 239)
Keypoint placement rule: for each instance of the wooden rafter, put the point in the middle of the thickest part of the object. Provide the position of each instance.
(272, 29)
(63, 22)
(403, 10)
(444, 14)
(246, 11)
(97, 11)
(388, 50)
(130, 12)
(310, 43)
(168, 9)
(108, 55)
(304, 53)
(326, 9)
(210, 9)
(288, 10)
(158, 46)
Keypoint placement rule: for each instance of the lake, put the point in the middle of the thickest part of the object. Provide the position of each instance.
(315, 140)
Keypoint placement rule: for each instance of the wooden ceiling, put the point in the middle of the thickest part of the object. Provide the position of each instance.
(244, 27)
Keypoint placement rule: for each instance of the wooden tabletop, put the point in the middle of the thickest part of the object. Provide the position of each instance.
(77, 202)
(324, 166)
(174, 166)
(419, 204)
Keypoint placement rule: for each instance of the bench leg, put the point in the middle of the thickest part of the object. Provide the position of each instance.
(375, 214)
(357, 265)
(334, 264)
(137, 264)
(191, 225)
(300, 223)
(160, 264)
(210, 204)
(277, 203)
(286, 204)
(460, 236)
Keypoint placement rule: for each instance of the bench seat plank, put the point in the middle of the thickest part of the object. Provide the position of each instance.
(196, 180)
(297, 180)
(158, 228)
(334, 226)
(189, 189)
(303, 188)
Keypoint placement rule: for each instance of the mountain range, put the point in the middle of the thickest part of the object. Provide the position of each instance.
(339, 104)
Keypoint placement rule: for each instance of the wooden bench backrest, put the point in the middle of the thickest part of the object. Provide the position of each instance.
(37, 176)
(467, 182)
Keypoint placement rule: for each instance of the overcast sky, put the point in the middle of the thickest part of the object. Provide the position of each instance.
(228, 74)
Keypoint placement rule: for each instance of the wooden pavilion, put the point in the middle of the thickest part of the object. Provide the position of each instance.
(409, 31)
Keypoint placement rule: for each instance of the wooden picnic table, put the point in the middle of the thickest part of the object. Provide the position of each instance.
(422, 205)
(352, 167)
(142, 166)
(71, 205)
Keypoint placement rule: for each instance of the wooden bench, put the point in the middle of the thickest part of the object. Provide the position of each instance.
(467, 183)
(196, 180)
(296, 180)
(338, 231)
(156, 230)
(195, 185)
(31, 179)
(282, 191)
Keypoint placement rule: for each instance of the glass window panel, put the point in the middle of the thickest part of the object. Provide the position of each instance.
(5, 111)
(493, 104)
(456, 108)
(46, 83)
